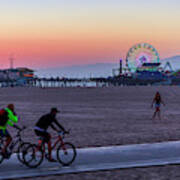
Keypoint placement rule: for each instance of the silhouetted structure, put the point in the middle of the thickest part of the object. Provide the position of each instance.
(16, 77)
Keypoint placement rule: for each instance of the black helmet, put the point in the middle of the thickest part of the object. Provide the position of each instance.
(54, 109)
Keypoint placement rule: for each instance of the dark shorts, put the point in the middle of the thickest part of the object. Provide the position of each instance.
(157, 106)
(45, 135)
(4, 133)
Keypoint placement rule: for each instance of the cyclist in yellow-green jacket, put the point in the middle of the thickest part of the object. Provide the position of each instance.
(7, 117)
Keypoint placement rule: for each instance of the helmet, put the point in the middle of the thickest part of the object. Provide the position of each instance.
(10, 106)
(54, 109)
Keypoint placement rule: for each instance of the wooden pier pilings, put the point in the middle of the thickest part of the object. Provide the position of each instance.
(53, 83)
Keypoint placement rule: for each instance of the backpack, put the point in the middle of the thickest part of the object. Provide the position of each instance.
(3, 117)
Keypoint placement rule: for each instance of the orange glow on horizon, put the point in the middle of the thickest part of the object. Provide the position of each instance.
(45, 53)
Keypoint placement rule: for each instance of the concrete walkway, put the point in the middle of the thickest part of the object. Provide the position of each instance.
(101, 158)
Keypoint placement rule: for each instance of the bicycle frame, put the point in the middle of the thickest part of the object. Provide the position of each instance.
(59, 139)
(14, 142)
(18, 140)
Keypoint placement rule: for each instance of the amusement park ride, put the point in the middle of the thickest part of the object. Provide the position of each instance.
(142, 58)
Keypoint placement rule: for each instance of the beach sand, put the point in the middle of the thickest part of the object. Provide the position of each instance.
(170, 172)
(103, 117)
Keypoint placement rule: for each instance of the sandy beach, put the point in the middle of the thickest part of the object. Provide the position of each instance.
(103, 117)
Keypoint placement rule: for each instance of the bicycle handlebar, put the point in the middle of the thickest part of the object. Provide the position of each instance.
(62, 133)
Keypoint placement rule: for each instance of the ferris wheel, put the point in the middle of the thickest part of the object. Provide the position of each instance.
(140, 54)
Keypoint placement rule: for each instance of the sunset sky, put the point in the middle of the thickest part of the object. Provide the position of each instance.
(51, 33)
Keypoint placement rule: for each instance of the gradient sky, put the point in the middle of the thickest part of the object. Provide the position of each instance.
(51, 33)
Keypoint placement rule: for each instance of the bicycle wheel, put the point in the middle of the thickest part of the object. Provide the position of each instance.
(22, 149)
(66, 153)
(33, 156)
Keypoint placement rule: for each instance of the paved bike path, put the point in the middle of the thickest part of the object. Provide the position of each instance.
(101, 158)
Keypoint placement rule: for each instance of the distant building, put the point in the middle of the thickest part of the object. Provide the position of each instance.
(25, 72)
(149, 67)
(19, 76)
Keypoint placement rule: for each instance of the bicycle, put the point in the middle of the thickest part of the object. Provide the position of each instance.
(16, 141)
(65, 152)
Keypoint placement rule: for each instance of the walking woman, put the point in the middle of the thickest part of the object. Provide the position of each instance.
(157, 101)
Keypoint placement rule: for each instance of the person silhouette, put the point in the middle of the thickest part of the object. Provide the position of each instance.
(157, 100)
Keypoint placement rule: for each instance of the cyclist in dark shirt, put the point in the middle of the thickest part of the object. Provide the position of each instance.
(157, 101)
(42, 125)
